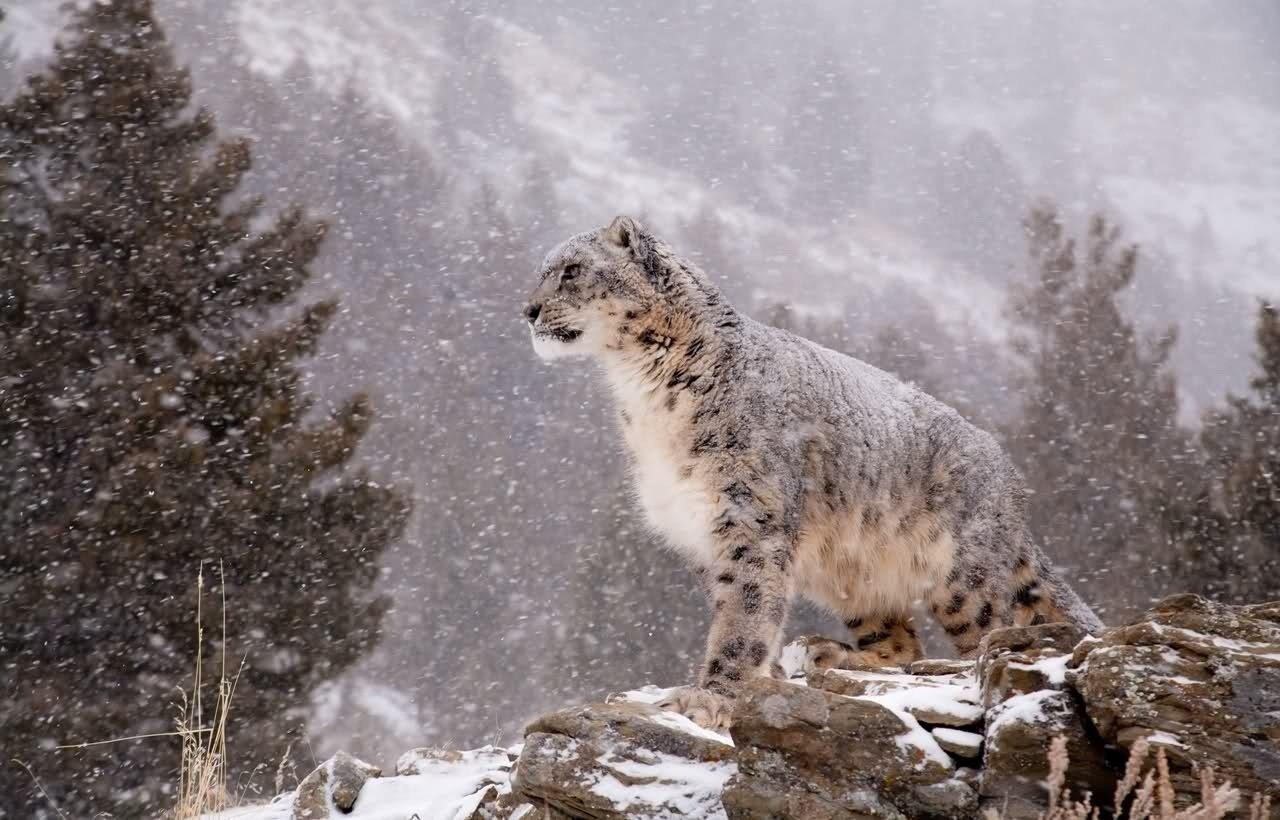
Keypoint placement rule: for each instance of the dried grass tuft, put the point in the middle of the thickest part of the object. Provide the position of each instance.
(202, 784)
(1152, 792)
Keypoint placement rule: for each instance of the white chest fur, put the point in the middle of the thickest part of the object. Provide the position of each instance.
(674, 497)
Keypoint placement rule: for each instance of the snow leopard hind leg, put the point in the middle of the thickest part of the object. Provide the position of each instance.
(877, 641)
(998, 577)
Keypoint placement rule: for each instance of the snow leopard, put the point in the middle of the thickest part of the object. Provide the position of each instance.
(778, 468)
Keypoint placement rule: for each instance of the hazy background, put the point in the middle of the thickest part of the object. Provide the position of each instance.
(866, 166)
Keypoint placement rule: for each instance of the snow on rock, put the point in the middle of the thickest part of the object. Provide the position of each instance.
(624, 759)
(683, 724)
(1022, 677)
(1031, 708)
(940, 700)
(429, 784)
(1019, 660)
(958, 742)
(1197, 679)
(946, 700)
(947, 705)
(281, 808)
(654, 695)
(1014, 764)
(663, 782)
(810, 750)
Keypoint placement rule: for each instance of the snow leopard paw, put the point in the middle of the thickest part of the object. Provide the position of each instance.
(705, 708)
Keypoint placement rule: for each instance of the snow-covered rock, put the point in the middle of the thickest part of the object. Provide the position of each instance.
(1200, 680)
(1014, 763)
(1019, 660)
(807, 752)
(957, 741)
(623, 759)
(1021, 674)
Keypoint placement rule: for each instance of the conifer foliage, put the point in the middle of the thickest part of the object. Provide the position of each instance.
(1098, 440)
(1232, 531)
(154, 418)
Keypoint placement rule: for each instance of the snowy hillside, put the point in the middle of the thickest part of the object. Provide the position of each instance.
(1199, 179)
(1195, 181)
(1200, 182)
(572, 118)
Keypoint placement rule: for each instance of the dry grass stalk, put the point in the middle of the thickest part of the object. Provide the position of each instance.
(1146, 799)
(40, 786)
(1156, 791)
(284, 762)
(1164, 786)
(1132, 773)
(1215, 800)
(1061, 805)
(202, 786)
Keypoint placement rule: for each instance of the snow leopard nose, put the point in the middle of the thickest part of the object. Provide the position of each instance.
(531, 311)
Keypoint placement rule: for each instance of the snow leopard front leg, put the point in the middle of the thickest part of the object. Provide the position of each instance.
(750, 585)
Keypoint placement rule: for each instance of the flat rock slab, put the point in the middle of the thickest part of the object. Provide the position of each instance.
(937, 700)
(941, 666)
(1059, 638)
(622, 759)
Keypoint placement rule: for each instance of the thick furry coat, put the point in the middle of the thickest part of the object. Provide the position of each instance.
(779, 468)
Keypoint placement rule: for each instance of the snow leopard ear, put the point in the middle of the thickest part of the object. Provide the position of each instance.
(626, 233)
(623, 232)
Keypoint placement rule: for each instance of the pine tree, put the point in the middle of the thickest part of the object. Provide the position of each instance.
(154, 422)
(1231, 533)
(1098, 439)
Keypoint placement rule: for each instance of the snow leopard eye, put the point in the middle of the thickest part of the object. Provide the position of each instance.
(569, 272)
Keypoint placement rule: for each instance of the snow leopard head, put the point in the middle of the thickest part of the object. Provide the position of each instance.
(591, 283)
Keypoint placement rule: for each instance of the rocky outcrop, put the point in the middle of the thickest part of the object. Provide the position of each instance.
(807, 752)
(1201, 680)
(623, 759)
(1014, 763)
(1022, 677)
(948, 739)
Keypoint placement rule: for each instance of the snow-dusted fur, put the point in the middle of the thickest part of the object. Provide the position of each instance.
(777, 467)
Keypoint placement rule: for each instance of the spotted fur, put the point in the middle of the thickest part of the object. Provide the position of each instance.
(779, 468)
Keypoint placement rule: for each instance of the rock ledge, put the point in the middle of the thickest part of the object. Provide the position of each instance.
(947, 740)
